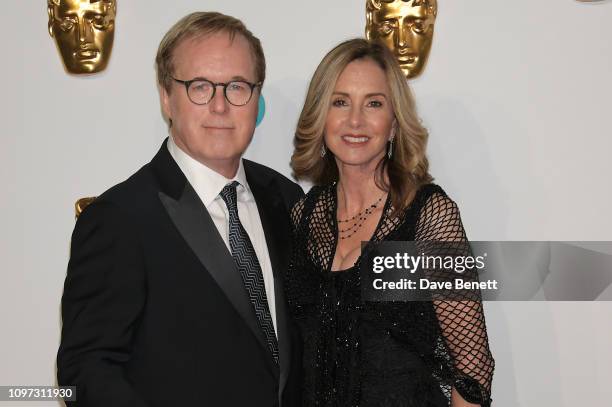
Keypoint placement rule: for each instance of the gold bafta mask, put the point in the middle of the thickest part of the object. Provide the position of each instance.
(406, 27)
(84, 31)
(81, 204)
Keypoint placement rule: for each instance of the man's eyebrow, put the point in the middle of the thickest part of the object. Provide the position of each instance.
(239, 78)
(232, 79)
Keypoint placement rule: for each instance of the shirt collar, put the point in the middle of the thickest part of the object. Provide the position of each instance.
(206, 182)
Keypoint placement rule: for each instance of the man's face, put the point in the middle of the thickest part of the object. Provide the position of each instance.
(406, 29)
(217, 133)
(84, 32)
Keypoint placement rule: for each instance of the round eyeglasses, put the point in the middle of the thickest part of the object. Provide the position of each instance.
(200, 91)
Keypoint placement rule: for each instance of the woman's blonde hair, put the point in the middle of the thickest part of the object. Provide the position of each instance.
(408, 168)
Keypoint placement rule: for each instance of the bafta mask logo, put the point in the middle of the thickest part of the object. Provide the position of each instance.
(406, 27)
(84, 31)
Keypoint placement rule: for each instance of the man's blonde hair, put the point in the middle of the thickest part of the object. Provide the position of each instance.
(201, 24)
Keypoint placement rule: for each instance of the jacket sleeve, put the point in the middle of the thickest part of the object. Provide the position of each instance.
(104, 295)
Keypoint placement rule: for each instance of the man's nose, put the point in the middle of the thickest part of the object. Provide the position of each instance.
(219, 104)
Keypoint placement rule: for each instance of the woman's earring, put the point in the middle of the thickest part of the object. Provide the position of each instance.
(390, 150)
(323, 150)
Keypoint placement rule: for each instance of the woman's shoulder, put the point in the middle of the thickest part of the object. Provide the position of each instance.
(426, 195)
(427, 190)
(319, 194)
(431, 201)
(317, 190)
(435, 215)
(316, 195)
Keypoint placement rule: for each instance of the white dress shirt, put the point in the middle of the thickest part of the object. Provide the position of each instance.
(208, 184)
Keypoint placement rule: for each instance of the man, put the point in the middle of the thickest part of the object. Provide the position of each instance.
(173, 295)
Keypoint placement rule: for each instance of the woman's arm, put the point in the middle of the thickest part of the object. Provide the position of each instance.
(458, 401)
(461, 320)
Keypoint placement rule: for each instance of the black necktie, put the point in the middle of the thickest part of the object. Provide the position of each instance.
(246, 259)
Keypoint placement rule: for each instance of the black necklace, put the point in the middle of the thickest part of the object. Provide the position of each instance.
(358, 220)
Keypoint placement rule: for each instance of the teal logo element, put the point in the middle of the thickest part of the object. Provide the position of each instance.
(261, 110)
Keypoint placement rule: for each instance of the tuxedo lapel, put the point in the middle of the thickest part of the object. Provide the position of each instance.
(194, 223)
(274, 219)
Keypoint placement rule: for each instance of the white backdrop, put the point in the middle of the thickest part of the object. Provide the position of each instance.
(516, 95)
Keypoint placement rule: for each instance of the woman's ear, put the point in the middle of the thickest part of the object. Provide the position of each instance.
(393, 130)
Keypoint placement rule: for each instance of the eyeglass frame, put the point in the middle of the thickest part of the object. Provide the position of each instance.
(215, 85)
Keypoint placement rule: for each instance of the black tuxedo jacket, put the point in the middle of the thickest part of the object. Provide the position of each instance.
(154, 310)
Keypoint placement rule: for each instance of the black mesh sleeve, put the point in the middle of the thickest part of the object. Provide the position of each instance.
(462, 322)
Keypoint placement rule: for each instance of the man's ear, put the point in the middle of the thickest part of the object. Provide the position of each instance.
(164, 100)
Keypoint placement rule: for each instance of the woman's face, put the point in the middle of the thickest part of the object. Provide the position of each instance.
(360, 119)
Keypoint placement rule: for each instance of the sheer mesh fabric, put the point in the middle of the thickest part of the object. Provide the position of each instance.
(461, 321)
(360, 353)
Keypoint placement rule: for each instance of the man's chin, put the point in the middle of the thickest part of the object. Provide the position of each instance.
(220, 156)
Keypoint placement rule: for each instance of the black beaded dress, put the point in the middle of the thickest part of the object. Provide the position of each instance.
(381, 354)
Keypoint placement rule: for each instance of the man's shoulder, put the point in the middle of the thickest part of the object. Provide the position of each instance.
(131, 192)
(264, 173)
(290, 191)
(125, 206)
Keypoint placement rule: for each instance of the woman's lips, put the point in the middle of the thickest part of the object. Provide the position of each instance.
(355, 139)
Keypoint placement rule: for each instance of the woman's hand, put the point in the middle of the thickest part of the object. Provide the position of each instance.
(458, 401)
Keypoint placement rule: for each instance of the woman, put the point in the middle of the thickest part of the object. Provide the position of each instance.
(360, 142)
